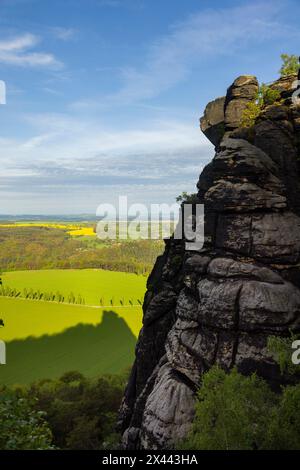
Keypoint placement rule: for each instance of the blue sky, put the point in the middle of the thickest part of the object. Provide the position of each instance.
(104, 96)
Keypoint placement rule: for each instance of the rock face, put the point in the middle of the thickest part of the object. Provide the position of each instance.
(219, 305)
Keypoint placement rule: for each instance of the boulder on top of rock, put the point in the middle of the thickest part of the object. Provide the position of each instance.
(243, 90)
(212, 122)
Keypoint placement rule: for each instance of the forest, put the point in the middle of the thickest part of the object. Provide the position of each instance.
(28, 248)
(232, 411)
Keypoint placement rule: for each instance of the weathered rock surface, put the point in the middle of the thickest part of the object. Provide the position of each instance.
(212, 122)
(220, 305)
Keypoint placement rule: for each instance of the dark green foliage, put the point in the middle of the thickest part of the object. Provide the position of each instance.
(185, 198)
(283, 432)
(50, 248)
(231, 412)
(238, 412)
(21, 425)
(81, 412)
(290, 65)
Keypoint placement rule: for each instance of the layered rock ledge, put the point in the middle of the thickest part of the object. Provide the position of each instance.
(220, 305)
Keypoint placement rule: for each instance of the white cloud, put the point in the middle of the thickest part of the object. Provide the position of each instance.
(16, 51)
(62, 138)
(18, 43)
(17, 172)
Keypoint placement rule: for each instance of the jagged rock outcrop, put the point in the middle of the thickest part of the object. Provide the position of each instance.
(220, 305)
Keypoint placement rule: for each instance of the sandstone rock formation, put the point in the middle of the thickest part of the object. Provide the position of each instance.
(212, 122)
(219, 305)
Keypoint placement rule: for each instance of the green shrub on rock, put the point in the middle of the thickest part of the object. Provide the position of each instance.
(290, 65)
(235, 412)
(266, 96)
(185, 198)
(232, 412)
(281, 349)
(250, 114)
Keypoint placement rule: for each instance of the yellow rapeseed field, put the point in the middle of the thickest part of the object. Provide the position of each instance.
(75, 230)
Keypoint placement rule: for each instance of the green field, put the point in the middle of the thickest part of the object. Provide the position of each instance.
(92, 284)
(46, 339)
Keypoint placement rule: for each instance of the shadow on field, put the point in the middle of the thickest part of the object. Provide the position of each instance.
(93, 350)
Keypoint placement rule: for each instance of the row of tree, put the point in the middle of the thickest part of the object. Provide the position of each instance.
(31, 294)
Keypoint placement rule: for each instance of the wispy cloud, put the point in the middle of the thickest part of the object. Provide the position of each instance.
(17, 51)
(170, 59)
(65, 34)
(67, 156)
(52, 91)
(63, 137)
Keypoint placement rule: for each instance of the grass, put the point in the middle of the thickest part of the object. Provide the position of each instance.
(93, 349)
(25, 318)
(91, 284)
(46, 339)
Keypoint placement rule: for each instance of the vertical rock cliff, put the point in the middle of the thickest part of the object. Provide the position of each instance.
(219, 305)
